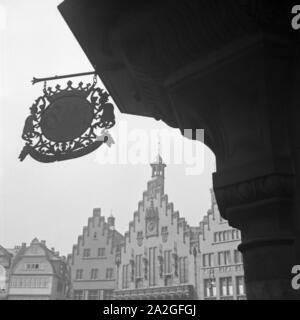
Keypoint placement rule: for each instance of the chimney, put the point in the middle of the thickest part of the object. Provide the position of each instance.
(43, 242)
(53, 249)
(57, 253)
(24, 244)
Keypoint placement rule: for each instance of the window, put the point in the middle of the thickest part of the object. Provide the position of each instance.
(86, 253)
(224, 258)
(208, 260)
(95, 235)
(27, 283)
(125, 276)
(33, 266)
(164, 230)
(79, 274)
(94, 274)
(227, 256)
(94, 295)
(183, 269)
(108, 294)
(152, 267)
(210, 289)
(167, 262)
(35, 283)
(12, 283)
(20, 283)
(101, 252)
(237, 257)
(228, 235)
(236, 234)
(78, 295)
(226, 287)
(223, 236)
(221, 258)
(138, 264)
(240, 286)
(45, 283)
(140, 235)
(109, 273)
(233, 232)
(215, 237)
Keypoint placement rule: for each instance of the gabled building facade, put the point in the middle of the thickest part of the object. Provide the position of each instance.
(6, 258)
(221, 273)
(38, 273)
(92, 261)
(159, 259)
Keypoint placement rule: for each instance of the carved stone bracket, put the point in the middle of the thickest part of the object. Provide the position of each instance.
(247, 192)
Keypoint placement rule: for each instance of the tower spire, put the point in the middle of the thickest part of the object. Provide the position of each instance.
(158, 167)
(159, 146)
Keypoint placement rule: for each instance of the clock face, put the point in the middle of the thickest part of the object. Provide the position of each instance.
(151, 228)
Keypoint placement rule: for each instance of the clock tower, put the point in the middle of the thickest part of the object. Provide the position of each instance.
(160, 252)
(158, 177)
(155, 186)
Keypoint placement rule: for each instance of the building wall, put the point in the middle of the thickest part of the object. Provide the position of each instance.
(95, 250)
(221, 268)
(34, 276)
(156, 225)
(5, 263)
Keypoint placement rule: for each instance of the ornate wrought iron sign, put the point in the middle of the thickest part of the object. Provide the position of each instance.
(67, 123)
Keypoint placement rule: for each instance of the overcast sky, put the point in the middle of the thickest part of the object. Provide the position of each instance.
(53, 201)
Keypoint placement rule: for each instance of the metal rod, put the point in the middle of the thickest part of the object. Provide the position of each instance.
(36, 80)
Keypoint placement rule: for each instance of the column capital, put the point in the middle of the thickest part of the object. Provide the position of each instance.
(272, 186)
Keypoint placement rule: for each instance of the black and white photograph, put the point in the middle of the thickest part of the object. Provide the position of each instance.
(149, 153)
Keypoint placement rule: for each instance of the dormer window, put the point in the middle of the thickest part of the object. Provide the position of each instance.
(32, 266)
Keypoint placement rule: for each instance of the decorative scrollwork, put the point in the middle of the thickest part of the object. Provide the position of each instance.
(68, 123)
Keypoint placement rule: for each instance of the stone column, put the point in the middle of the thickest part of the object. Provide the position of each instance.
(262, 209)
(295, 137)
